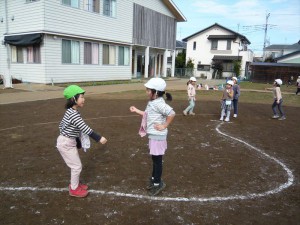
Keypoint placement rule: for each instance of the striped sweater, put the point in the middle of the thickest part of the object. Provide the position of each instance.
(72, 124)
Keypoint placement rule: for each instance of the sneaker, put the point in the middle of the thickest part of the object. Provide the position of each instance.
(282, 118)
(184, 113)
(235, 115)
(151, 184)
(157, 189)
(221, 118)
(83, 186)
(192, 114)
(226, 119)
(275, 117)
(78, 192)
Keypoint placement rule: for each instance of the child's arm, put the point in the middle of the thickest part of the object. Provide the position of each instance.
(230, 93)
(166, 124)
(134, 109)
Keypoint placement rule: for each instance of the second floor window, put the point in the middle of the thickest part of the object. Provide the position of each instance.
(109, 8)
(92, 5)
(194, 45)
(70, 51)
(123, 56)
(33, 54)
(109, 54)
(91, 53)
(228, 47)
(17, 54)
(214, 45)
(72, 3)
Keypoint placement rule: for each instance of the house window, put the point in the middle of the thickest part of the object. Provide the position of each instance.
(72, 3)
(228, 47)
(214, 44)
(92, 5)
(33, 54)
(17, 54)
(123, 56)
(109, 55)
(109, 8)
(227, 66)
(194, 45)
(70, 51)
(91, 53)
(32, 0)
(201, 67)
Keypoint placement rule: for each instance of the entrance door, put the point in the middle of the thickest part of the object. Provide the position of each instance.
(140, 66)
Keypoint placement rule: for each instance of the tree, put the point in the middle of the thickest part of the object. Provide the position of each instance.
(217, 66)
(180, 60)
(190, 63)
(237, 65)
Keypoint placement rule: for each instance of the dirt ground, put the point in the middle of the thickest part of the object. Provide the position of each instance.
(242, 172)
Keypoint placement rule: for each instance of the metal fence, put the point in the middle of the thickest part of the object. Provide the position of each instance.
(184, 72)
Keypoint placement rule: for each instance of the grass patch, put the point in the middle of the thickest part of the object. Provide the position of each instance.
(266, 86)
(99, 83)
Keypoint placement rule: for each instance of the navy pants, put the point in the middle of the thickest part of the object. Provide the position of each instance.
(275, 104)
(235, 106)
(157, 168)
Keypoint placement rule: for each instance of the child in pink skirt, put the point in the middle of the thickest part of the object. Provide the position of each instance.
(156, 118)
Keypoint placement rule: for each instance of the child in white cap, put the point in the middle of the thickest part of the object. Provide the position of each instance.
(156, 118)
(236, 95)
(277, 100)
(226, 101)
(191, 90)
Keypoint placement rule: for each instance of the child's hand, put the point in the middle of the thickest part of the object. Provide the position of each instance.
(159, 127)
(103, 140)
(132, 109)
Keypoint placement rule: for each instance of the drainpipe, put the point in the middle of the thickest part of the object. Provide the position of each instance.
(6, 32)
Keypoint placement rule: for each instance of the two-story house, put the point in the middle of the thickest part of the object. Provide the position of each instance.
(218, 43)
(278, 50)
(56, 41)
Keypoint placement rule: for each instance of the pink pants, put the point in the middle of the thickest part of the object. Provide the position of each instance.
(68, 150)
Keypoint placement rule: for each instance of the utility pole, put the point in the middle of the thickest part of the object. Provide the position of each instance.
(266, 29)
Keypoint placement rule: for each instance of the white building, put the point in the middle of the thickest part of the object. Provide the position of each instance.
(277, 50)
(56, 41)
(218, 43)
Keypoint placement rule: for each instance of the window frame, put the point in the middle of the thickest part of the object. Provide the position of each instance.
(36, 54)
(228, 45)
(122, 60)
(108, 61)
(70, 54)
(204, 67)
(194, 45)
(110, 8)
(214, 44)
(17, 52)
(92, 61)
(92, 7)
(69, 3)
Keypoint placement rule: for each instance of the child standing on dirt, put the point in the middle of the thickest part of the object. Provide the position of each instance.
(156, 118)
(68, 141)
(236, 95)
(277, 100)
(226, 101)
(191, 90)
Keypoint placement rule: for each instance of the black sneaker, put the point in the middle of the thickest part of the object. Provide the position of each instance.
(151, 183)
(157, 189)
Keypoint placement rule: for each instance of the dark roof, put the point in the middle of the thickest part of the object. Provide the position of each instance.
(226, 57)
(216, 24)
(288, 55)
(295, 46)
(219, 37)
(275, 64)
(181, 44)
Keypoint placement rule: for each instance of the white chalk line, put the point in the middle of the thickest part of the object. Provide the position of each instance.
(178, 199)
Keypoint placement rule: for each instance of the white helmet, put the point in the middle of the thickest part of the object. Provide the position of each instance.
(234, 78)
(193, 79)
(278, 81)
(230, 82)
(156, 83)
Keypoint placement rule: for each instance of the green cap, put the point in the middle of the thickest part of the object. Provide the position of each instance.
(72, 90)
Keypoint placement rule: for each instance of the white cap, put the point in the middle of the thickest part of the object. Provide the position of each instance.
(234, 78)
(156, 83)
(193, 79)
(230, 82)
(278, 81)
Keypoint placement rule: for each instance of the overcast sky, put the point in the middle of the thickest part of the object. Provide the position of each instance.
(247, 17)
